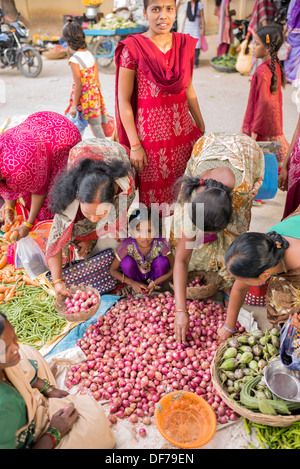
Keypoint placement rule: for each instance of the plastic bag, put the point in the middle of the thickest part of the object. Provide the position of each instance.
(79, 121)
(30, 256)
(290, 347)
(243, 61)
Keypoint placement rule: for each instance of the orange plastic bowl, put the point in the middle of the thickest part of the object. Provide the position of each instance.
(185, 419)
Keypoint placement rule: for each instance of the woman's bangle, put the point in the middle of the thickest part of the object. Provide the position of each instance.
(229, 330)
(136, 149)
(29, 225)
(123, 278)
(54, 434)
(136, 144)
(9, 207)
(60, 280)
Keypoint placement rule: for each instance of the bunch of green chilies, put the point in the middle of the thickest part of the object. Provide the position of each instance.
(274, 437)
(33, 316)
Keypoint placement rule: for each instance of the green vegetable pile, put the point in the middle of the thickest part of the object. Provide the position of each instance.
(33, 316)
(274, 437)
(225, 60)
(241, 372)
(112, 21)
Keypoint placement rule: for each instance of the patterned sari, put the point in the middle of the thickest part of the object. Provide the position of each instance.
(71, 225)
(245, 158)
(32, 154)
(25, 413)
(164, 124)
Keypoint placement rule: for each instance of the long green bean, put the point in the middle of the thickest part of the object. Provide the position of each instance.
(274, 437)
(33, 316)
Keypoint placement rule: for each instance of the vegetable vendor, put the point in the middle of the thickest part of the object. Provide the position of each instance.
(253, 259)
(34, 414)
(32, 154)
(90, 201)
(223, 175)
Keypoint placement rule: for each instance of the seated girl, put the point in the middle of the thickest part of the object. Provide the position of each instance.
(145, 259)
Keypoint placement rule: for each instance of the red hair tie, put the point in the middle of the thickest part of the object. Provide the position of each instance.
(202, 182)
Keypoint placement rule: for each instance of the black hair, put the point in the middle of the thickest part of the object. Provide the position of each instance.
(271, 35)
(74, 35)
(217, 202)
(252, 253)
(145, 214)
(2, 322)
(89, 181)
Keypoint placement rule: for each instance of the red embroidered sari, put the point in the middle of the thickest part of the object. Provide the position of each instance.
(164, 125)
(264, 110)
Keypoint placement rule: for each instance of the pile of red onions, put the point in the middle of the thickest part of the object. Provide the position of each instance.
(196, 282)
(133, 358)
(81, 301)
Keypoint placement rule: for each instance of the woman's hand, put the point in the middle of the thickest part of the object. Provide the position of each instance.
(223, 335)
(282, 179)
(58, 393)
(181, 326)
(23, 231)
(64, 419)
(84, 248)
(138, 159)
(61, 289)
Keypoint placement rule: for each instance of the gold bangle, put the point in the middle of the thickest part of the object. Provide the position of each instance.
(8, 207)
(60, 280)
(29, 225)
(123, 278)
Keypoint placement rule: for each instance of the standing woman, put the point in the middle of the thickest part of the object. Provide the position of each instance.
(292, 63)
(32, 154)
(289, 177)
(225, 37)
(195, 24)
(157, 110)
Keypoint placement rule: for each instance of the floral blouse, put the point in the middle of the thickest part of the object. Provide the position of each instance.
(128, 247)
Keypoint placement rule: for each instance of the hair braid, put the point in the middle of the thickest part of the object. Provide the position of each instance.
(274, 79)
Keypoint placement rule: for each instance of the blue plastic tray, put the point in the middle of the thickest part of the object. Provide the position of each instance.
(114, 32)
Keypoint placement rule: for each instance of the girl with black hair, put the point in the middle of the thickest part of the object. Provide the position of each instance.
(222, 178)
(90, 201)
(86, 96)
(143, 261)
(263, 117)
(255, 258)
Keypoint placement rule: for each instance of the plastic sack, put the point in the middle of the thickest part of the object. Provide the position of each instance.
(79, 121)
(243, 61)
(204, 45)
(30, 256)
(269, 187)
(290, 347)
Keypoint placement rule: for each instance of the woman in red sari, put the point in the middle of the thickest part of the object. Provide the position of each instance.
(263, 118)
(158, 115)
(32, 154)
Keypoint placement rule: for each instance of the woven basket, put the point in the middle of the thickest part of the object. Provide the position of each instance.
(264, 419)
(60, 306)
(220, 68)
(56, 53)
(212, 282)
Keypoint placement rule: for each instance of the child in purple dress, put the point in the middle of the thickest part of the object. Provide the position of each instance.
(144, 260)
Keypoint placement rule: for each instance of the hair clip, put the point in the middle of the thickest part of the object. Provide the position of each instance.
(268, 39)
(202, 182)
(278, 244)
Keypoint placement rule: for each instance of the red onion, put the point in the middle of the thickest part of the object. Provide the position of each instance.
(133, 359)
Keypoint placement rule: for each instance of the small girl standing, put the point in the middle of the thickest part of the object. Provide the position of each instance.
(86, 96)
(194, 24)
(145, 259)
(263, 117)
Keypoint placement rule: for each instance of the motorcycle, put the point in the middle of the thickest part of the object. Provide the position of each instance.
(14, 52)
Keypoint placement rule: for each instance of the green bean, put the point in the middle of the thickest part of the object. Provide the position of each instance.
(33, 316)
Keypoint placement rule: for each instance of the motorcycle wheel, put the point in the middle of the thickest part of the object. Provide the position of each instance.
(30, 63)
